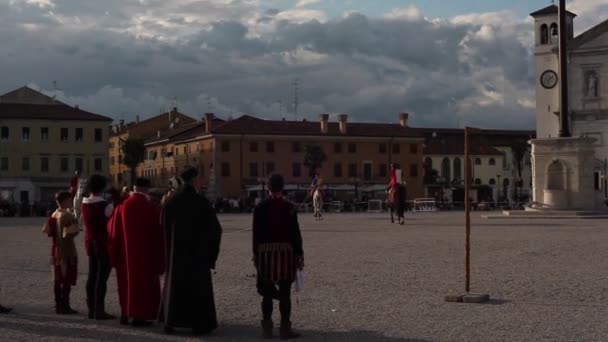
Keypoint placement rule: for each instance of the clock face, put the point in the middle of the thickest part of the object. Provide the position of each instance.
(548, 79)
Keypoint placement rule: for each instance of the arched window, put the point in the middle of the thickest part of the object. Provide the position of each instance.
(506, 182)
(492, 162)
(477, 161)
(457, 169)
(554, 34)
(445, 169)
(477, 181)
(544, 34)
(492, 181)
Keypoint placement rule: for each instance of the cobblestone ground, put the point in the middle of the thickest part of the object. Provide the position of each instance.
(366, 280)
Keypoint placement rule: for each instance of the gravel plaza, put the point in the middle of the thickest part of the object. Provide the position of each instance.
(366, 280)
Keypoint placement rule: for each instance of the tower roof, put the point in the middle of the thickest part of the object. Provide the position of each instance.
(549, 10)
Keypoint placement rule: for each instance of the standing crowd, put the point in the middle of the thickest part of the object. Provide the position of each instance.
(178, 242)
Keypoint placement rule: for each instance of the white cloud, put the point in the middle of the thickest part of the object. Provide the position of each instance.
(410, 12)
(302, 3)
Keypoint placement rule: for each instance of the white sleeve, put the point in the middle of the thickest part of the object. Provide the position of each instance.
(109, 210)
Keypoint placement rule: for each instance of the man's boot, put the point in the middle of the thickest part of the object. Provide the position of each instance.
(91, 307)
(100, 312)
(286, 332)
(66, 301)
(267, 329)
(59, 306)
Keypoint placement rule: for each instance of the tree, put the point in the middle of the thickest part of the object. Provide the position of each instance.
(133, 154)
(314, 157)
(519, 149)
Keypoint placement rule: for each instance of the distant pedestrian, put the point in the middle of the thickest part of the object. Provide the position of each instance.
(192, 237)
(62, 227)
(95, 214)
(137, 252)
(277, 255)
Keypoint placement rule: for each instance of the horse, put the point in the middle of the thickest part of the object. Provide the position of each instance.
(396, 203)
(317, 204)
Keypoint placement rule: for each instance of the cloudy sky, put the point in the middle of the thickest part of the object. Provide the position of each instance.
(448, 63)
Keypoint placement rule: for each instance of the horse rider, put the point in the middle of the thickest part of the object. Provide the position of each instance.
(395, 178)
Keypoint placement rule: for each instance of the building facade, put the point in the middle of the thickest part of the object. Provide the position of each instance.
(43, 142)
(155, 126)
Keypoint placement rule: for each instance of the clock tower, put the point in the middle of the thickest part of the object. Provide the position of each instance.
(546, 33)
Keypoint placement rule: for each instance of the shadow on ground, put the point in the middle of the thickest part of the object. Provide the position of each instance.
(63, 328)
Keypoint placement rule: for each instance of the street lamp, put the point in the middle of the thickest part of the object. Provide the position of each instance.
(498, 189)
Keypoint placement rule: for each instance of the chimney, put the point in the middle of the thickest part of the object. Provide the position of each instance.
(137, 119)
(324, 123)
(208, 122)
(403, 119)
(342, 122)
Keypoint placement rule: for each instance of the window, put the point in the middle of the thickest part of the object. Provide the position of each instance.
(44, 164)
(25, 134)
(396, 148)
(225, 170)
(554, 33)
(269, 168)
(120, 159)
(477, 181)
(338, 170)
(492, 181)
(98, 164)
(253, 146)
(64, 164)
(414, 170)
(596, 181)
(413, 149)
(4, 164)
(25, 164)
(337, 148)
(382, 170)
(367, 171)
(352, 148)
(270, 147)
(186, 149)
(112, 160)
(98, 134)
(352, 170)
(79, 164)
(382, 148)
(253, 169)
(445, 169)
(4, 133)
(176, 152)
(492, 162)
(457, 169)
(544, 34)
(297, 170)
(65, 135)
(297, 147)
(44, 133)
(79, 134)
(477, 161)
(119, 177)
(225, 146)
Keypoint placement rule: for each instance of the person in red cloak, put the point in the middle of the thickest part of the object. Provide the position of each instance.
(137, 253)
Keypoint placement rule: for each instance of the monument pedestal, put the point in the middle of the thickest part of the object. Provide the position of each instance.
(563, 174)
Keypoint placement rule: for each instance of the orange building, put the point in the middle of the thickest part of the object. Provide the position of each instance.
(236, 156)
(155, 126)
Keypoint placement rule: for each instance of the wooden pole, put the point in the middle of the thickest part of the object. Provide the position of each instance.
(467, 210)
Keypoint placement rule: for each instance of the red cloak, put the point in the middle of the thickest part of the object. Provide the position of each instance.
(137, 253)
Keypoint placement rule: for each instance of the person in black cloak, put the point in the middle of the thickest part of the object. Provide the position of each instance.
(192, 236)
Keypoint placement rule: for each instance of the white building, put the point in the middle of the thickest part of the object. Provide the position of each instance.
(588, 94)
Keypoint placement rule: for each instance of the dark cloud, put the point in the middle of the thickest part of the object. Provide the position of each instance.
(126, 58)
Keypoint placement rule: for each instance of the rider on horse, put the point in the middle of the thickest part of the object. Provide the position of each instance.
(395, 178)
(315, 184)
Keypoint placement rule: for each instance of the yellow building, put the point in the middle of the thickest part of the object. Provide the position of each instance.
(150, 128)
(42, 143)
